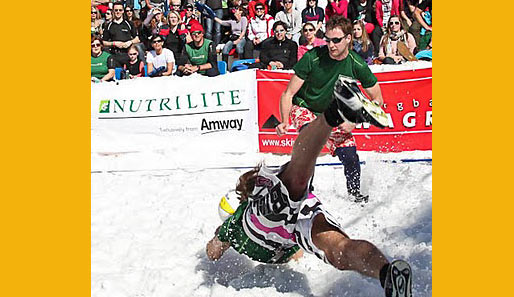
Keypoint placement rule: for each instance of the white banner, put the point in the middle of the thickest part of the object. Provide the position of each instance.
(175, 113)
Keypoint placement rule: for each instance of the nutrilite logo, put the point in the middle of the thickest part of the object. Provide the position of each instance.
(188, 102)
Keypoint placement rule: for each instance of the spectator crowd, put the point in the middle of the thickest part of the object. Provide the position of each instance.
(135, 38)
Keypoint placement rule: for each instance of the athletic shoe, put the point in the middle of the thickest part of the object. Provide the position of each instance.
(350, 105)
(398, 281)
(359, 197)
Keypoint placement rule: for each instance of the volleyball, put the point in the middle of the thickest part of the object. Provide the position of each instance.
(228, 205)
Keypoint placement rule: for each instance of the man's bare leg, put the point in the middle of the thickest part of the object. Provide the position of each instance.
(345, 253)
(306, 149)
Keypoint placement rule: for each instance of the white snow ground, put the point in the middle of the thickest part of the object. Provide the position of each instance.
(154, 211)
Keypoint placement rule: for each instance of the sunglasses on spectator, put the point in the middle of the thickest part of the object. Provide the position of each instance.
(155, 41)
(288, 2)
(335, 40)
(259, 8)
(189, 9)
(308, 30)
(176, 5)
(95, 45)
(394, 23)
(196, 33)
(118, 10)
(93, 11)
(127, 10)
(132, 54)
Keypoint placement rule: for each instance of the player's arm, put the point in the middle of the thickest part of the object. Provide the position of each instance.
(375, 94)
(286, 103)
(215, 247)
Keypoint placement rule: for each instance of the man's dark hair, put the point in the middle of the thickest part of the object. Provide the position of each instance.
(279, 23)
(117, 3)
(341, 22)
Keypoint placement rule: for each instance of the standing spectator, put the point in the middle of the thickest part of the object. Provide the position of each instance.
(237, 33)
(213, 31)
(310, 40)
(336, 7)
(292, 18)
(384, 9)
(96, 21)
(278, 52)
(423, 15)
(120, 34)
(361, 43)
(389, 52)
(135, 66)
(176, 5)
(176, 39)
(259, 28)
(107, 19)
(315, 15)
(160, 60)
(201, 55)
(102, 63)
(189, 17)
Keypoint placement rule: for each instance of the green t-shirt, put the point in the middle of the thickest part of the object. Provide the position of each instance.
(320, 72)
(232, 231)
(199, 56)
(100, 65)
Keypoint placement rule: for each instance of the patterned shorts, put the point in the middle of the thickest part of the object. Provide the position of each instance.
(338, 138)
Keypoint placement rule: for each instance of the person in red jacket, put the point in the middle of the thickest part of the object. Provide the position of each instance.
(384, 9)
(336, 7)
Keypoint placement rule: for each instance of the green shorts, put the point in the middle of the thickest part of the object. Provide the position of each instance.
(232, 231)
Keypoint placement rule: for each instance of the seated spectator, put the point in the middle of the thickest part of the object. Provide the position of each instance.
(361, 43)
(251, 7)
(389, 52)
(160, 60)
(176, 37)
(237, 33)
(278, 52)
(384, 9)
(135, 66)
(259, 29)
(189, 17)
(315, 15)
(292, 19)
(96, 21)
(129, 14)
(201, 55)
(336, 7)
(310, 40)
(102, 63)
(363, 10)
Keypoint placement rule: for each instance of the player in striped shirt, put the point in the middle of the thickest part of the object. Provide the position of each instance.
(278, 214)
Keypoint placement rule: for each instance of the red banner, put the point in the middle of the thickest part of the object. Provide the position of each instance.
(408, 102)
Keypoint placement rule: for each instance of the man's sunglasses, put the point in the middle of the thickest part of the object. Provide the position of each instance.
(118, 10)
(335, 40)
(308, 30)
(155, 41)
(394, 23)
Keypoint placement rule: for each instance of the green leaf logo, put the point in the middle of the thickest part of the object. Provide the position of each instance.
(104, 106)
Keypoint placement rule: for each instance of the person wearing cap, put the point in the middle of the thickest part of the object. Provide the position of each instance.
(201, 55)
(259, 29)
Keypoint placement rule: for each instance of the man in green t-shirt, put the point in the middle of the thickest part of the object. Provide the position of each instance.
(201, 55)
(310, 92)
